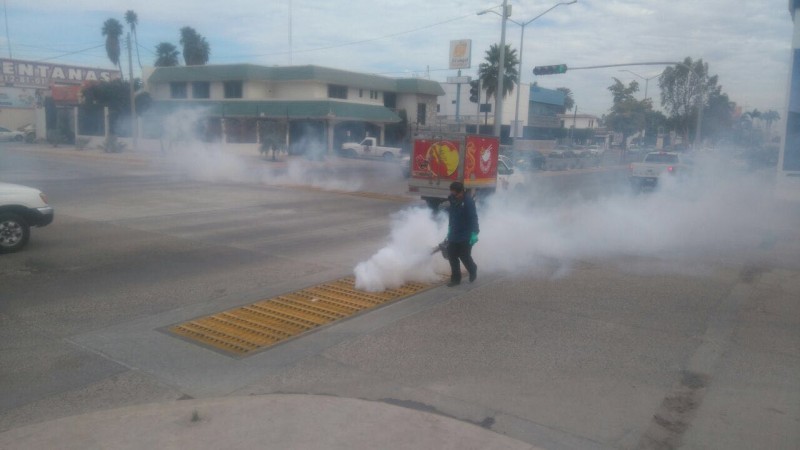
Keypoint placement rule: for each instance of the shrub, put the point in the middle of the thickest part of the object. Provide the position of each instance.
(113, 145)
(82, 143)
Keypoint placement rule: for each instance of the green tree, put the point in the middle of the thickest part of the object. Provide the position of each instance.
(569, 101)
(195, 48)
(116, 96)
(133, 20)
(718, 115)
(166, 55)
(112, 30)
(654, 123)
(488, 70)
(684, 88)
(628, 115)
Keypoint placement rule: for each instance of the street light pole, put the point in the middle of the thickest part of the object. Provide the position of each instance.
(498, 95)
(646, 80)
(646, 83)
(521, 41)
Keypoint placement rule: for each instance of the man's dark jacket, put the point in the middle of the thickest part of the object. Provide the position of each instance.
(463, 219)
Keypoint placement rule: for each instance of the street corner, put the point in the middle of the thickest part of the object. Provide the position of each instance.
(248, 422)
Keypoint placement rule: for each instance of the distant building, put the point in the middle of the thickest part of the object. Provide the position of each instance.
(312, 105)
(538, 110)
(789, 160)
(35, 92)
(579, 121)
(545, 106)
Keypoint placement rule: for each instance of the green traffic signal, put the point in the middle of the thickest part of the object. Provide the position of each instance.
(550, 70)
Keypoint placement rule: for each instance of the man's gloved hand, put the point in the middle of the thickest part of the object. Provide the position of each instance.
(473, 239)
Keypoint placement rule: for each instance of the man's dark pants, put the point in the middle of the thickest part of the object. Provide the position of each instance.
(462, 251)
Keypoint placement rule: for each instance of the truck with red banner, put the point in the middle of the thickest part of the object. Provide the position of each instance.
(435, 163)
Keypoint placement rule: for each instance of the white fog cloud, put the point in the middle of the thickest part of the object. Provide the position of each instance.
(720, 214)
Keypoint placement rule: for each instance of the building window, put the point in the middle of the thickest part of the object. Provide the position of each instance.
(390, 100)
(201, 89)
(373, 95)
(336, 91)
(177, 90)
(241, 131)
(233, 89)
(421, 113)
(360, 93)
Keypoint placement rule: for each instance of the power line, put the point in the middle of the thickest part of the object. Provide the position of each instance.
(71, 53)
(363, 41)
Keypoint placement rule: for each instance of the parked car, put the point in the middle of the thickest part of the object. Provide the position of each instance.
(596, 150)
(29, 131)
(530, 160)
(507, 178)
(11, 135)
(560, 159)
(586, 158)
(21, 208)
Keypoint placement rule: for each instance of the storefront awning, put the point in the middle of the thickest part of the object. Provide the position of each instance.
(294, 110)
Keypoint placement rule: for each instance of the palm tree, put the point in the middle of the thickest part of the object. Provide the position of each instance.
(770, 117)
(112, 30)
(487, 71)
(195, 47)
(569, 101)
(133, 20)
(166, 55)
(754, 114)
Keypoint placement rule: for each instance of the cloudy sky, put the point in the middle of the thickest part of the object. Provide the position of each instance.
(746, 42)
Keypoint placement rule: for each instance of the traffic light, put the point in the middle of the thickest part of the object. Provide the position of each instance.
(550, 70)
(474, 91)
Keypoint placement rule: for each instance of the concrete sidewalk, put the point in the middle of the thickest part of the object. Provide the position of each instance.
(268, 421)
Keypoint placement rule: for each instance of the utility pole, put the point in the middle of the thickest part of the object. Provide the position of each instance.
(498, 95)
(478, 122)
(458, 100)
(574, 119)
(134, 122)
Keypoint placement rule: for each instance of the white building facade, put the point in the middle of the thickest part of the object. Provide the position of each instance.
(241, 103)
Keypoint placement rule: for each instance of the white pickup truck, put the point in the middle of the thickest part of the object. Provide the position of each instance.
(369, 147)
(654, 166)
(21, 208)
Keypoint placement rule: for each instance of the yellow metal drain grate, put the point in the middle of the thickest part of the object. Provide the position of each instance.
(250, 328)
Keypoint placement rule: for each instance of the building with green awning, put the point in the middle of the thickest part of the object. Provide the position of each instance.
(292, 106)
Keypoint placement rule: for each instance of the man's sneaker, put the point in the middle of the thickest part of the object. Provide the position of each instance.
(453, 283)
(473, 275)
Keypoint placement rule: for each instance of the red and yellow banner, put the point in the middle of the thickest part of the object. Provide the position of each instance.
(481, 160)
(438, 159)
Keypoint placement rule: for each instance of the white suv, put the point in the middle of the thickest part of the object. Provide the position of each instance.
(21, 208)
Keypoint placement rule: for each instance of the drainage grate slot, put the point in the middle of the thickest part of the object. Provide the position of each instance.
(247, 329)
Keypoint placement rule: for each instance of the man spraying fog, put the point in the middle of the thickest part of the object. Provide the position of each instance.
(462, 233)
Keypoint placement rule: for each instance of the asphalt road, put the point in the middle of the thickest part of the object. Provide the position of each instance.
(593, 357)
